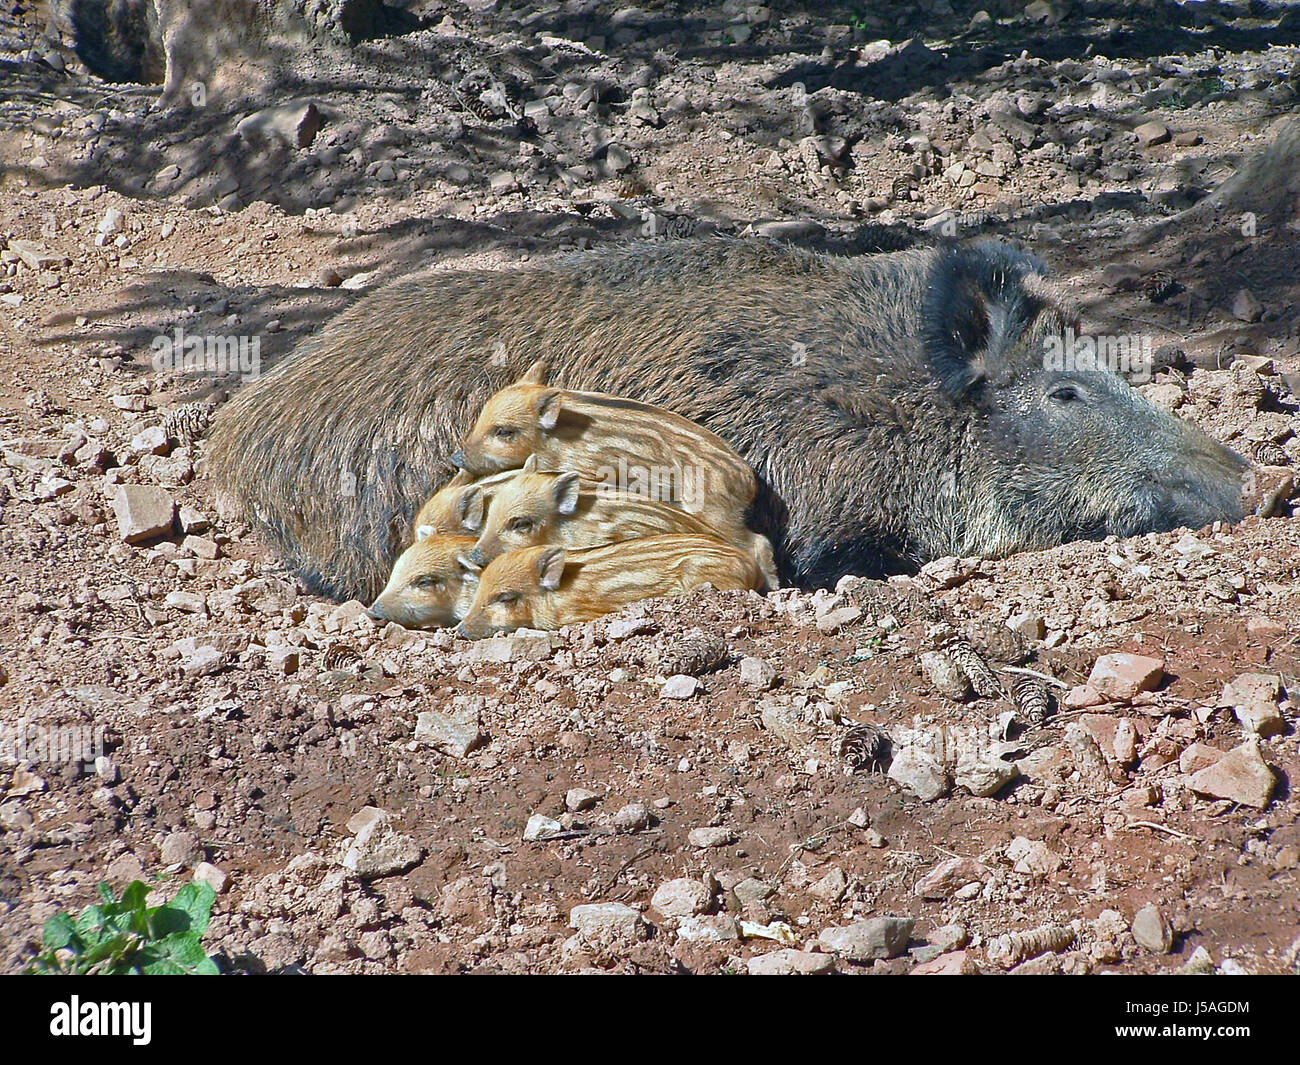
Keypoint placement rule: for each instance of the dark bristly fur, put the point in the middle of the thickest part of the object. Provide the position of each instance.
(895, 407)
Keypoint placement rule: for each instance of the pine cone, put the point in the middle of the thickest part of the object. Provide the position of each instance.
(695, 653)
(1033, 700)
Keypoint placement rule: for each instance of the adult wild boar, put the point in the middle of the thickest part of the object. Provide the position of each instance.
(895, 407)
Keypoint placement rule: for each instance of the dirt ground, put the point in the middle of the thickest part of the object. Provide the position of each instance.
(272, 742)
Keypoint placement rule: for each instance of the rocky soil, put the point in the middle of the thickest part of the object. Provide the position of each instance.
(1075, 761)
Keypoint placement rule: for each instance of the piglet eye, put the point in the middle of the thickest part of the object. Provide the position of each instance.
(504, 432)
(521, 524)
(506, 598)
(1065, 394)
(427, 581)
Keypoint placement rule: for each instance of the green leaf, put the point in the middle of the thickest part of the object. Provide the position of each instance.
(185, 950)
(59, 931)
(90, 921)
(106, 892)
(134, 895)
(111, 948)
(196, 900)
(163, 967)
(168, 920)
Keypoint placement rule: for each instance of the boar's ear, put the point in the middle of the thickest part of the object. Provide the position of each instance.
(471, 508)
(565, 493)
(535, 374)
(468, 571)
(423, 532)
(976, 307)
(550, 567)
(547, 405)
(530, 465)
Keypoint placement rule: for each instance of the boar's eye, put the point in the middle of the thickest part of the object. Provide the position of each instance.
(522, 525)
(506, 598)
(1065, 394)
(505, 432)
(427, 581)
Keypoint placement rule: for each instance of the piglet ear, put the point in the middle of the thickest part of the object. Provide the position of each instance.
(566, 493)
(535, 374)
(550, 568)
(471, 508)
(547, 406)
(423, 532)
(530, 464)
(976, 308)
(469, 571)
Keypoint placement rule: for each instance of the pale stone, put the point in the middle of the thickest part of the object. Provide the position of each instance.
(143, 512)
(871, 939)
(1121, 676)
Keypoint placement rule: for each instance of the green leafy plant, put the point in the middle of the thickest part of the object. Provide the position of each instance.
(859, 17)
(125, 937)
(1197, 91)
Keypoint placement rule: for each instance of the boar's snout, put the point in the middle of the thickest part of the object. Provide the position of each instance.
(475, 629)
(1083, 456)
(390, 608)
(393, 608)
(1199, 482)
(1179, 478)
(457, 459)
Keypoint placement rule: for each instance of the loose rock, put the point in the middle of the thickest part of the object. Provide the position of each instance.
(791, 963)
(1152, 931)
(578, 799)
(634, 817)
(985, 778)
(180, 848)
(1121, 676)
(708, 837)
(143, 512)
(868, 940)
(945, 675)
(379, 851)
(947, 877)
(920, 774)
(756, 673)
(540, 827)
(454, 734)
(607, 923)
(682, 897)
(1149, 134)
(1241, 776)
(682, 686)
(1254, 701)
